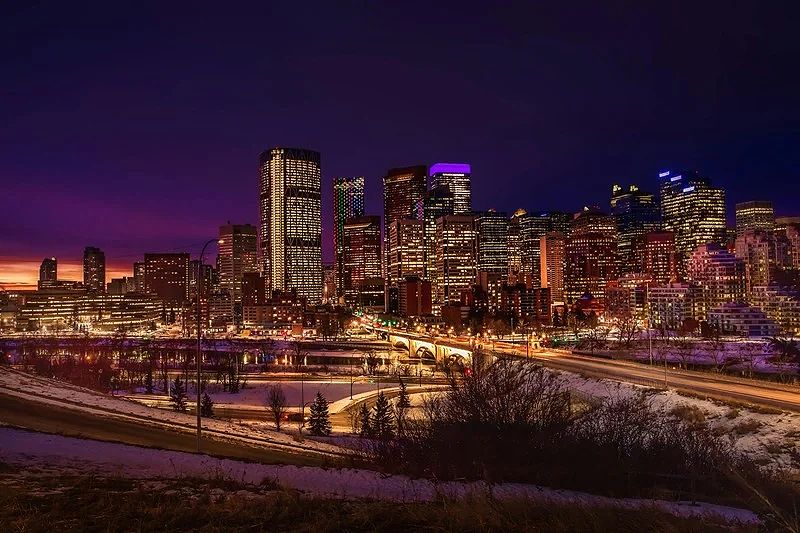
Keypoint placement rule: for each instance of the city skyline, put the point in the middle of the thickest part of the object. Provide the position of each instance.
(110, 158)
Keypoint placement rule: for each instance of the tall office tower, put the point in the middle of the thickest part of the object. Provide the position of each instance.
(532, 227)
(754, 215)
(360, 255)
(437, 203)
(406, 250)
(167, 276)
(515, 245)
(591, 255)
(291, 221)
(660, 260)
(636, 213)
(202, 274)
(94, 269)
(782, 223)
(238, 255)
(455, 257)
(48, 272)
(456, 177)
(348, 203)
(491, 228)
(693, 210)
(719, 274)
(764, 253)
(552, 258)
(403, 191)
(138, 276)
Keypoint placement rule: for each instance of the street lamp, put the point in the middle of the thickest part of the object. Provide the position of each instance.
(198, 286)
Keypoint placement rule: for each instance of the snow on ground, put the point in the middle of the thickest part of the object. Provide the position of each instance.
(255, 392)
(67, 455)
(62, 394)
(769, 438)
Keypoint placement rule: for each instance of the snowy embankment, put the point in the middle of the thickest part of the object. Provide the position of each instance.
(769, 438)
(60, 394)
(65, 455)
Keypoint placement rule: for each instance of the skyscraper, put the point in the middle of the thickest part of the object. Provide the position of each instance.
(237, 256)
(532, 226)
(693, 210)
(591, 255)
(514, 245)
(48, 272)
(552, 258)
(348, 203)
(360, 255)
(437, 203)
(754, 215)
(138, 276)
(456, 177)
(636, 213)
(455, 257)
(492, 247)
(403, 190)
(291, 221)
(94, 269)
(406, 257)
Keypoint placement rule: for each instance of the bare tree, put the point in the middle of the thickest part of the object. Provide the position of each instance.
(627, 329)
(276, 404)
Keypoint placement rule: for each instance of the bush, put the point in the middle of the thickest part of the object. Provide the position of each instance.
(690, 414)
(515, 421)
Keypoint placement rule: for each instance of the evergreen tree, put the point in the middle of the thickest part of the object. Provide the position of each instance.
(319, 421)
(177, 395)
(383, 418)
(403, 402)
(206, 406)
(365, 421)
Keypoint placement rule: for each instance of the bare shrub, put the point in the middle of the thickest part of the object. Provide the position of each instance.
(690, 414)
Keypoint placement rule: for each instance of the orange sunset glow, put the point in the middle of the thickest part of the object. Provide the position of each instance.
(23, 273)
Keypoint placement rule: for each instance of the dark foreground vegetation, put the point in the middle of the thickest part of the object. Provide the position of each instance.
(515, 421)
(65, 503)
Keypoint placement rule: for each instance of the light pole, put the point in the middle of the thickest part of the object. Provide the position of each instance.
(198, 289)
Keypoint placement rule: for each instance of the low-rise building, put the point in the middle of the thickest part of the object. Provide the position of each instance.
(671, 304)
(781, 304)
(734, 318)
(70, 311)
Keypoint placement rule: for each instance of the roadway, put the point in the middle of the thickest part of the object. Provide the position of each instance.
(720, 387)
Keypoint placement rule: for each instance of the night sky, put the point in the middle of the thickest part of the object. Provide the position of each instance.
(136, 126)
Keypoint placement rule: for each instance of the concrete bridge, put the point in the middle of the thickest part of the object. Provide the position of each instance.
(426, 347)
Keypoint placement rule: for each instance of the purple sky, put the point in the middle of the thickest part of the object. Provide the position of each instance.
(137, 126)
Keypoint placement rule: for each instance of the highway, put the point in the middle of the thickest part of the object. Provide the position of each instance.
(720, 387)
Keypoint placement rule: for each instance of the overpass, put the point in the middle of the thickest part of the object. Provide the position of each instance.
(424, 347)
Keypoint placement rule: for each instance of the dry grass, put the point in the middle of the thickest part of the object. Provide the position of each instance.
(63, 503)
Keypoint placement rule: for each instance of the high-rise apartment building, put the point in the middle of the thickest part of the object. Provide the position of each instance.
(291, 221)
(360, 255)
(492, 246)
(456, 177)
(591, 255)
(167, 276)
(660, 260)
(719, 274)
(202, 276)
(348, 203)
(756, 215)
(48, 272)
(238, 255)
(455, 257)
(552, 247)
(693, 210)
(763, 253)
(636, 213)
(94, 269)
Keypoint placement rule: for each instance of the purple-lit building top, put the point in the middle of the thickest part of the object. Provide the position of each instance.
(456, 177)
